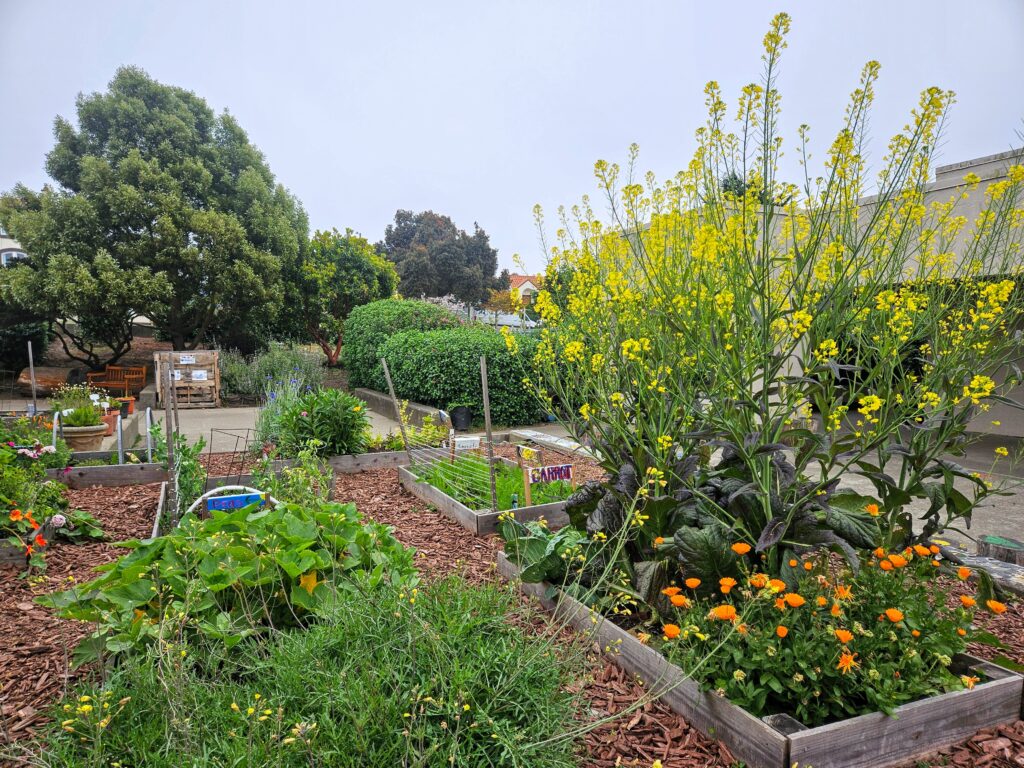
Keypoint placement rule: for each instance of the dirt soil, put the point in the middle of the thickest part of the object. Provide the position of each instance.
(653, 732)
(35, 645)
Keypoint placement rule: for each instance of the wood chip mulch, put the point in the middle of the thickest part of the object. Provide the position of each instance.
(35, 645)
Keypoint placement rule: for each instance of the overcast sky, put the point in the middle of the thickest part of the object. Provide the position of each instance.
(480, 109)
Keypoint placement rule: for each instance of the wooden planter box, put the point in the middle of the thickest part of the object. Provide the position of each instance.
(109, 475)
(12, 554)
(779, 741)
(479, 522)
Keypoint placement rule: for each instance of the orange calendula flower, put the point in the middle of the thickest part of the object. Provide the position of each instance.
(777, 585)
(894, 615)
(898, 560)
(740, 547)
(961, 631)
(844, 636)
(723, 612)
(915, 633)
(879, 553)
(680, 601)
(658, 541)
(780, 603)
(758, 581)
(808, 566)
(847, 661)
(921, 551)
(835, 610)
(821, 601)
(793, 600)
(741, 628)
(792, 563)
(995, 606)
(781, 631)
(670, 631)
(726, 584)
(936, 563)
(885, 565)
(692, 583)
(968, 601)
(872, 509)
(670, 591)
(843, 592)
(934, 549)
(963, 573)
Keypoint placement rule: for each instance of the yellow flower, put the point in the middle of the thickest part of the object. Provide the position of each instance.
(308, 581)
(586, 411)
(1001, 451)
(665, 442)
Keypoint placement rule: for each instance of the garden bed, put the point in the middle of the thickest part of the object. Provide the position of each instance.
(35, 645)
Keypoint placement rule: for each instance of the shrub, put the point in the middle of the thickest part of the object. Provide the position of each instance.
(14, 340)
(335, 421)
(370, 325)
(232, 575)
(436, 678)
(27, 501)
(31, 438)
(442, 368)
(252, 376)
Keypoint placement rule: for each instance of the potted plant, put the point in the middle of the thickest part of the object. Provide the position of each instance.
(83, 428)
(461, 414)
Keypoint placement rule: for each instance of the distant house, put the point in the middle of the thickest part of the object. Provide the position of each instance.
(11, 251)
(525, 287)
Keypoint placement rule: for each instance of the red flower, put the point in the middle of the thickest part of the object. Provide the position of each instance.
(40, 541)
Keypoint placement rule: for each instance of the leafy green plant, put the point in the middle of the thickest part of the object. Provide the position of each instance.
(252, 375)
(335, 420)
(428, 434)
(235, 574)
(83, 416)
(72, 396)
(76, 525)
(442, 368)
(32, 439)
(370, 325)
(432, 678)
(27, 501)
(467, 480)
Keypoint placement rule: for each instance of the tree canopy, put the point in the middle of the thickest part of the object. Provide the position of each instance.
(185, 208)
(433, 257)
(337, 273)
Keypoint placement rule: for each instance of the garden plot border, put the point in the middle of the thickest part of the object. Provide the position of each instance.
(109, 475)
(779, 741)
(483, 522)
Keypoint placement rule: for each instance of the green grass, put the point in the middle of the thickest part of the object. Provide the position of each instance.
(467, 481)
(436, 678)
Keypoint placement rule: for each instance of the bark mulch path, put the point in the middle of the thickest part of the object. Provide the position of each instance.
(35, 645)
(653, 732)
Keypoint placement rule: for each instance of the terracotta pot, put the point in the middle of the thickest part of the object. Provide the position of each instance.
(85, 438)
(110, 420)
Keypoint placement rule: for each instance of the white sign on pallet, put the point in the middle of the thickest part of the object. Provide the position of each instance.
(466, 443)
(199, 375)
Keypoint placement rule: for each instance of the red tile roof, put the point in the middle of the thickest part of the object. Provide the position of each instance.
(515, 281)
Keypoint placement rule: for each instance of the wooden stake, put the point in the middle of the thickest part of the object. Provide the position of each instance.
(487, 428)
(32, 377)
(398, 412)
(451, 443)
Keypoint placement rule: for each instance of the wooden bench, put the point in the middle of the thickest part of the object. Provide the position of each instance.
(118, 378)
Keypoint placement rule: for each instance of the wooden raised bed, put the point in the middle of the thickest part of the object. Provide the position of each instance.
(778, 741)
(479, 522)
(109, 475)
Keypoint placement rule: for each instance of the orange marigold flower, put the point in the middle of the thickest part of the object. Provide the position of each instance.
(963, 573)
(934, 549)
(659, 540)
(723, 612)
(670, 631)
(758, 581)
(921, 551)
(898, 560)
(936, 563)
(886, 565)
(968, 601)
(847, 661)
(670, 591)
(781, 631)
(844, 636)
(793, 600)
(872, 509)
(915, 633)
(780, 603)
(692, 583)
(995, 606)
(777, 585)
(821, 601)
(962, 632)
(835, 610)
(894, 615)
(808, 565)
(843, 592)
(792, 563)
(741, 628)
(726, 583)
(879, 553)
(740, 547)
(680, 601)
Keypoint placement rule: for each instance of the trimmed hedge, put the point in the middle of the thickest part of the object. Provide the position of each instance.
(442, 368)
(370, 325)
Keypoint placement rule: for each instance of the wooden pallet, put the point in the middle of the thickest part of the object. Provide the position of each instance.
(195, 377)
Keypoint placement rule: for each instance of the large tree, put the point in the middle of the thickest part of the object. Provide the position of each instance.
(169, 189)
(335, 274)
(433, 257)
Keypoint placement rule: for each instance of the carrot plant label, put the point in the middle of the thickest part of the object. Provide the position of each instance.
(551, 473)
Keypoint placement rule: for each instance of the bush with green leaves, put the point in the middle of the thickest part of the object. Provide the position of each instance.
(392, 677)
(334, 420)
(32, 439)
(442, 368)
(370, 325)
(235, 574)
(252, 375)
